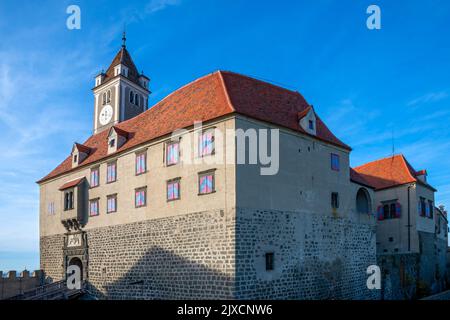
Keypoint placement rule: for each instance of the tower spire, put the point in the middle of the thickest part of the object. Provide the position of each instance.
(124, 37)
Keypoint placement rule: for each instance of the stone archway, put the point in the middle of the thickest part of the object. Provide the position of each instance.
(75, 261)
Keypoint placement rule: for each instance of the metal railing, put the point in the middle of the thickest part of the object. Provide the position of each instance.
(50, 291)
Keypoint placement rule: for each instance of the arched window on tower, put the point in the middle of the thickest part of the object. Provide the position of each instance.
(104, 98)
(136, 99)
(108, 96)
(131, 97)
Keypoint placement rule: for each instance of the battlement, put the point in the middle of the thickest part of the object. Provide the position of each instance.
(13, 283)
(14, 275)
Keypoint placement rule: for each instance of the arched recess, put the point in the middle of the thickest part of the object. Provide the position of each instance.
(363, 201)
(77, 262)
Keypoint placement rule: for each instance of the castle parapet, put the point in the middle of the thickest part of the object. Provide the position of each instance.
(13, 283)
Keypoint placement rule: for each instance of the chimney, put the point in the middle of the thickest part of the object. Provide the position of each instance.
(422, 175)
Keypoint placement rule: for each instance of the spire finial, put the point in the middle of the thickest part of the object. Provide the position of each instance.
(124, 37)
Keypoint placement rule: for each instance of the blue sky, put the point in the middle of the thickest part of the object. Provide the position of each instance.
(370, 87)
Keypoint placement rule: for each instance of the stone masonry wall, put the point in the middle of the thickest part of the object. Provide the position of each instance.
(51, 256)
(219, 255)
(399, 276)
(315, 257)
(181, 257)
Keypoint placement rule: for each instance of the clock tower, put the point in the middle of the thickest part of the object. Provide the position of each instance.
(120, 93)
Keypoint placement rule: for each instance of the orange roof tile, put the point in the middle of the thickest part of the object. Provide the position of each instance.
(358, 178)
(212, 96)
(388, 172)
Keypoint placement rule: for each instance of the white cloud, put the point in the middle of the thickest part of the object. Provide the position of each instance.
(158, 5)
(428, 98)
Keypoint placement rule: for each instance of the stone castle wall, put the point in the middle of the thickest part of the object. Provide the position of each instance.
(315, 256)
(415, 275)
(182, 257)
(220, 255)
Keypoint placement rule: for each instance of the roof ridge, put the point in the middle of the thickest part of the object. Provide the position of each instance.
(408, 167)
(381, 159)
(265, 82)
(225, 89)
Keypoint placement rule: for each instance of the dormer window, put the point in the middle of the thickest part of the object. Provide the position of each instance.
(120, 69)
(116, 138)
(79, 153)
(307, 120)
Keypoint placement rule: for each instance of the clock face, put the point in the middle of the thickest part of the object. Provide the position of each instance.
(105, 114)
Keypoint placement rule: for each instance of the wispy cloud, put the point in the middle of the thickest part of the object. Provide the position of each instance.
(135, 15)
(158, 5)
(428, 98)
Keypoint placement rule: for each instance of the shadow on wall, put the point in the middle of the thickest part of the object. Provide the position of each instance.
(161, 274)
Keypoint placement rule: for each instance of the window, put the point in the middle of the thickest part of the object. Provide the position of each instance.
(51, 208)
(335, 200)
(75, 158)
(335, 162)
(430, 208)
(95, 177)
(141, 165)
(108, 96)
(136, 99)
(68, 200)
(389, 210)
(111, 172)
(206, 143)
(172, 153)
(131, 97)
(140, 197)
(173, 189)
(111, 201)
(311, 124)
(93, 208)
(112, 143)
(422, 207)
(104, 98)
(206, 183)
(269, 261)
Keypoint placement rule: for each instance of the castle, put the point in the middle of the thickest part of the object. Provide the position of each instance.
(150, 207)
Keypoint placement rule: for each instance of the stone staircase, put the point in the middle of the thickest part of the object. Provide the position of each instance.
(52, 291)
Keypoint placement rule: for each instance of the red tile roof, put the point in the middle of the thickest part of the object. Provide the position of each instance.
(421, 172)
(71, 184)
(358, 178)
(82, 148)
(212, 96)
(123, 57)
(119, 131)
(388, 172)
(303, 113)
